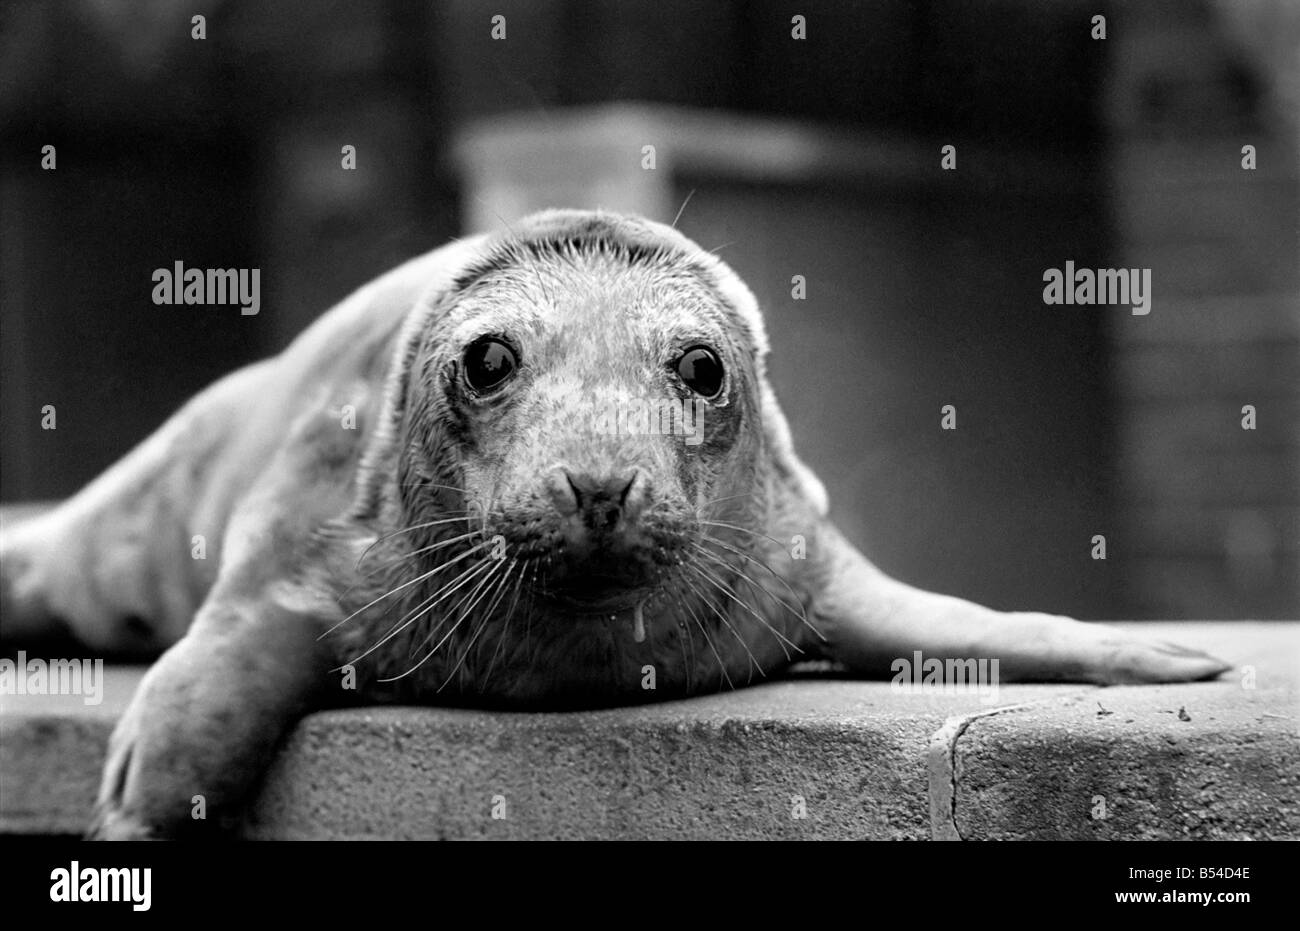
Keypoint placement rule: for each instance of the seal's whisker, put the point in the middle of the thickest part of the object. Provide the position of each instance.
(407, 557)
(493, 565)
(732, 628)
(721, 615)
(682, 631)
(483, 623)
(690, 638)
(411, 529)
(731, 593)
(421, 608)
(489, 613)
(736, 527)
(423, 484)
(461, 610)
(483, 579)
(426, 605)
(797, 611)
(393, 591)
(712, 501)
(722, 667)
(532, 594)
(505, 628)
(682, 208)
(717, 558)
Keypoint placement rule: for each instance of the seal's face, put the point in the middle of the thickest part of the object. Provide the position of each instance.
(597, 407)
(581, 480)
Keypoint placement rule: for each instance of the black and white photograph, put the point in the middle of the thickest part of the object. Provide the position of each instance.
(649, 421)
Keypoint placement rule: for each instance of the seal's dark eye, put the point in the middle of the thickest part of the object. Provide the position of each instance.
(701, 369)
(489, 363)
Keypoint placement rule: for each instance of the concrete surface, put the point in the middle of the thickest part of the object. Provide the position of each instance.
(860, 759)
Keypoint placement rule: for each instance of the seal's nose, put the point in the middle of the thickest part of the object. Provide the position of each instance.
(600, 501)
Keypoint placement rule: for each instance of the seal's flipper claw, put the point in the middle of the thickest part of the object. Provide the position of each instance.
(1135, 661)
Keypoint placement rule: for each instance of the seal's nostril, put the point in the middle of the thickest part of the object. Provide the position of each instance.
(577, 492)
(635, 494)
(627, 488)
(563, 492)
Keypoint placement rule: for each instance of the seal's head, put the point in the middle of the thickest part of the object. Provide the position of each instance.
(586, 450)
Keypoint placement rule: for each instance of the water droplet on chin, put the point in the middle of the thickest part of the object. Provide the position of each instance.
(638, 622)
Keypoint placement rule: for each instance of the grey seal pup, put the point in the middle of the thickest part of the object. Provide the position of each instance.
(527, 470)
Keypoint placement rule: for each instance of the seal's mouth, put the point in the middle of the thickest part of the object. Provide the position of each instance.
(599, 583)
(595, 593)
(605, 599)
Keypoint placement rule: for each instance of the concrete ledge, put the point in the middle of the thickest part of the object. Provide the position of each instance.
(862, 759)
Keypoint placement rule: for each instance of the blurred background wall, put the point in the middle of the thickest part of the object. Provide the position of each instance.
(817, 157)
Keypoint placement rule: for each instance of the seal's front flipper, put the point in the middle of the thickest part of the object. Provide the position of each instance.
(871, 620)
(200, 731)
(207, 717)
